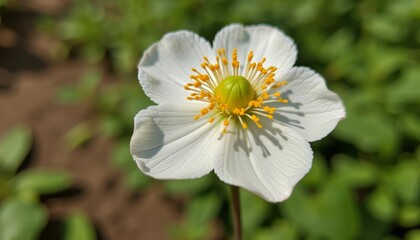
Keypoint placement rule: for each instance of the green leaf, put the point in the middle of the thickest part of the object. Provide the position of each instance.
(78, 227)
(21, 220)
(409, 216)
(405, 180)
(329, 214)
(109, 97)
(79, 135)
(3, 3)
(410, 124)
(137, 180)
(14, 146)
(405, 90)
(111, 125)
(26, 196)
(90, 82)
(121, 156)
(126, 58)
(382, 204)
(200, 212)
(384, 27)
(92, 53)
(371, 226)
(189, 186)
(318, 173)
(356, 173)
(252, 217)
(68, 94)
(42, 181)
(202, 209)
(413, 235)
(281, 229)
(370, 133)
(384, 61)
(337, 45)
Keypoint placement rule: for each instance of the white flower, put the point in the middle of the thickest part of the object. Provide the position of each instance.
(239, 108)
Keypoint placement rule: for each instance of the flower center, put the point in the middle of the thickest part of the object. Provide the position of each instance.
(235, 91)
(240, 94)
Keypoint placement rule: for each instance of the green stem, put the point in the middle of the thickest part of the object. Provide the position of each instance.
(236, 213)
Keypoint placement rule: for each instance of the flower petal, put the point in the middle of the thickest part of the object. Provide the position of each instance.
(168, 143)
(268, 161)
(266, 41)
(313, 110)
(166, 66)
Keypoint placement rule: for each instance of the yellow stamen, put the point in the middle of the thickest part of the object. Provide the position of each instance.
(279, 84)
(205, 86)
(250, 56)
(226, 122)
(204, 111)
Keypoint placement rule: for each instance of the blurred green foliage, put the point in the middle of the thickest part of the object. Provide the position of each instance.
(78, 226)
(365, 181)
(21, 220)
(22, 215)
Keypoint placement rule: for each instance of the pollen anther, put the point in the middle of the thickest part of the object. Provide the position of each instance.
(256, 89)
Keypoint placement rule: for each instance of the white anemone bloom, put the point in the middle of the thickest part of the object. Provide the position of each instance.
(239, 108)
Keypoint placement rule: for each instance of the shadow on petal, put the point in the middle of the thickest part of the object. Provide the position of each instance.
(273, 134)
(281, 108)
(151, 57)
(149, 142)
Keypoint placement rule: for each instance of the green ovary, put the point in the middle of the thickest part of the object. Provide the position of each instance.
(235, 91)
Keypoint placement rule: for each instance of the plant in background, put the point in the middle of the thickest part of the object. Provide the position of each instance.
(22, 216)
(247, 113)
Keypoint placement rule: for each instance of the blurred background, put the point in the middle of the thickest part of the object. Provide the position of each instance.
(69, 91)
